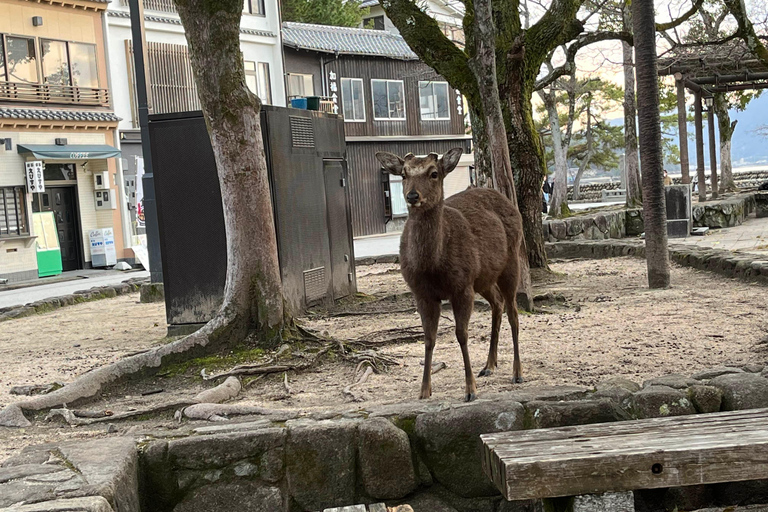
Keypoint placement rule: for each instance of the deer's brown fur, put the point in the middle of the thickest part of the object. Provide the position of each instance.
(451, 249)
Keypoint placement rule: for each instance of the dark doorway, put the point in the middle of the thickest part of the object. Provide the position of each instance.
(62, 201)
(337, 203)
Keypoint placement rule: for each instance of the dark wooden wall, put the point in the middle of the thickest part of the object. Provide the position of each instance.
(411, 72)
(365, 185)
(305, 63)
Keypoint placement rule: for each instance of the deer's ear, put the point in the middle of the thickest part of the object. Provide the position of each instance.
(450, 160)
(391, 162)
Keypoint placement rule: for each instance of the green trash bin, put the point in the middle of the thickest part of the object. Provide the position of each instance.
(313, 102)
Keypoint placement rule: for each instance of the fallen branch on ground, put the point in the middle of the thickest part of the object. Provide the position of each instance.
(347, 391)
(218, 412)
(72, 417)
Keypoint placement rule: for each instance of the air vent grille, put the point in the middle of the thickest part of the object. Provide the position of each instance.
(302, 133)
(315, 286)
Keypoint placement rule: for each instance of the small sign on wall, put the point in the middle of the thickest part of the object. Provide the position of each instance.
(34, 171)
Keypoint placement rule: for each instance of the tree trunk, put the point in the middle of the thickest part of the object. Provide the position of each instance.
(253, 291)
(483, 66)
(654, 205)
(560, 148)
(631, 162)
(726, 128)
(483, 170)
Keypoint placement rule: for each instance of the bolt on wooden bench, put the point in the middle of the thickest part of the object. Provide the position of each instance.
(626, 456)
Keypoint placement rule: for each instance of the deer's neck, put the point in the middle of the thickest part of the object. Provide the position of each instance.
(427, 236)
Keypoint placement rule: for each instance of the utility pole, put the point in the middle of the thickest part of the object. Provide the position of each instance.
(148, 182)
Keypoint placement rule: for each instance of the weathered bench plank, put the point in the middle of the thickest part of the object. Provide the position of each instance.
(624, 456)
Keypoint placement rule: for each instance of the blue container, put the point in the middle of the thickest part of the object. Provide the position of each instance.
(299, 103)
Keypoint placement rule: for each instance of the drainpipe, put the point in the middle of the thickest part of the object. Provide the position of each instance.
(148, 182)
(124, 213)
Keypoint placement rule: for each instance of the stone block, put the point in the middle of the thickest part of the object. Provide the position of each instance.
(608, 502)
(705, 398)
(674, 381)
(88, 504)
(320, 464)
(560, 414)
(220, 450)
(659, 401)
(152, 292)
(450, 443)
(241, 495)
(574, 226)
(761, 204)
(716, 372)
(558, 229)
(742, 391)
(384, 459)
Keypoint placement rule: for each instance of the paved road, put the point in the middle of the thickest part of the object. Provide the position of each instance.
(92, 278)
(377, 245)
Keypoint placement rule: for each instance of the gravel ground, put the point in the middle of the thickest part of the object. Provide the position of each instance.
(608, 325)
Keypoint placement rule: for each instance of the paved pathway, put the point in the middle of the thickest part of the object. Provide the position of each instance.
(87, 279)
(751, 236)
(377, 245)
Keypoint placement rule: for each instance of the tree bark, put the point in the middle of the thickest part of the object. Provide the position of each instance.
(588, 156)
(631, 162)
(560, 148)
(654, 204)
(726, 128)
(253, 291)
(483, 170)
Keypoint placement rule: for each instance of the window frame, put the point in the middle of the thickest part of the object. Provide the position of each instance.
(71, 75)
(38, 58)
(20, 211)
(42, 68)
(263, 72)
(374, 19)
(261, 7)
(304, 83)
(373, 105)
(447, 97)
(362, 93)
(397, 180)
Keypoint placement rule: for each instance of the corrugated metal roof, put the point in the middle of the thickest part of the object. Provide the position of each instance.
(346, 41)
(369, 3)
(57, 115)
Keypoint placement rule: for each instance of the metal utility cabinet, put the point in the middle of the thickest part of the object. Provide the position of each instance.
(305, 154)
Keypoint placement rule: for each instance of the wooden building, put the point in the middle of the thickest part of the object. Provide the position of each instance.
(390, 100)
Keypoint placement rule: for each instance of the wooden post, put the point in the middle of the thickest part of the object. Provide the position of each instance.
(712, 149)
(682, 126)
(699, 147)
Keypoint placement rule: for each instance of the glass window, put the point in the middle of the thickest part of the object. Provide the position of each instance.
(55, 62)
(300, 85)
(374, 22)
(58, 172)
(254, 7)
(396, 193)
(265, 83)
(83, 59)
(250, 76)
(21, 59)
(433, 101)
(388, 99)
(13, 217)
(352, 99)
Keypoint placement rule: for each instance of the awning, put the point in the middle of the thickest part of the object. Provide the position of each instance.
(68, 151)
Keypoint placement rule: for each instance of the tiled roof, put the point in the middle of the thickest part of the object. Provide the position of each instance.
(57, 115)
(346, 41)
(369, 3)
(177, 21)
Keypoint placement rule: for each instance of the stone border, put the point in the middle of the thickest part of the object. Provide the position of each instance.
(744, 266)
(131, 285)
(424, 453)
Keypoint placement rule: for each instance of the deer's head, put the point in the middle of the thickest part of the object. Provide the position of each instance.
(422, 177)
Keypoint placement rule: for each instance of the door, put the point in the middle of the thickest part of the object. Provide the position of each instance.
(61, 201)
(337, 204)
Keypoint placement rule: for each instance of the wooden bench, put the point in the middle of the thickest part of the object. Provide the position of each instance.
(629, 455)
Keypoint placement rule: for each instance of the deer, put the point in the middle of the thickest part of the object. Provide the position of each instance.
(451, 249)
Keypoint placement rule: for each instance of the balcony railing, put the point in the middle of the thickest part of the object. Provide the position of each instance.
(156, 5)
(53, 94)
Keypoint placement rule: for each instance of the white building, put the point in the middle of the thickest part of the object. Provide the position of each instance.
(172, 87)
(449, 15)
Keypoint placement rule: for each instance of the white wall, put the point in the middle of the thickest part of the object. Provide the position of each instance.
(259, 48)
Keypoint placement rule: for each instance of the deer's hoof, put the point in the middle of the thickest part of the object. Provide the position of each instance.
(518, 380)
(485, 373)
(470, 397)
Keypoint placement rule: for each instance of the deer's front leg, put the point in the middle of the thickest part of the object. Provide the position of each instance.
(462, 311)
(430, 316)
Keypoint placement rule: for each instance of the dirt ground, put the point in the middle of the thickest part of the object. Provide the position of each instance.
(606, 323)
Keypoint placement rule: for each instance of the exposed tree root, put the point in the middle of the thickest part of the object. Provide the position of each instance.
(75, 419)
(360, 378)
(92, 382)
(218, 412)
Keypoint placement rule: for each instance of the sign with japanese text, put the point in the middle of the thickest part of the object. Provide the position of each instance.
(334, 88)
(34, 172)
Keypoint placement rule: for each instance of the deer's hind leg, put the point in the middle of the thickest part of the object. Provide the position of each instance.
(494, 298)
(508, 282)
(462, 311)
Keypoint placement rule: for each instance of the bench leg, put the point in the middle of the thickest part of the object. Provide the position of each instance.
(608, 502)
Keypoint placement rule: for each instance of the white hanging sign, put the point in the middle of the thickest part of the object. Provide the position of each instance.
(333, 87)
(34, 172)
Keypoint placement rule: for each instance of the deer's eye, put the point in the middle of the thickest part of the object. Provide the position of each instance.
(434, 175)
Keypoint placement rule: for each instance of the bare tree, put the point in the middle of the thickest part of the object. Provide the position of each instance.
(631, 161)
(654, 205)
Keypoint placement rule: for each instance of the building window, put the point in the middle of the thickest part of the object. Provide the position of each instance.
(258, 81)
(399, 208)
(20, 60)
(300, 85)
(67, 63)
(374, 22)
(433, 101)
(352, 101)
(83, 63)
(388, 100)
(13, 217)
(254, 7)
(55, 62)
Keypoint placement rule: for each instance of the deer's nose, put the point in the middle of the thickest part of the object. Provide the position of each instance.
(412, 197)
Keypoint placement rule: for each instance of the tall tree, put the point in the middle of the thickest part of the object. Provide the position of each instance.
(339, 13)
(654, 204)
(631, 162)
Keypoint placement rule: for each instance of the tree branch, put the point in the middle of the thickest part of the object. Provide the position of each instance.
(570, 55)
(746, 29)
(660, 27)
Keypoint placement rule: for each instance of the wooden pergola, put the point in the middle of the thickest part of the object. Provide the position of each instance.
(706, 70)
